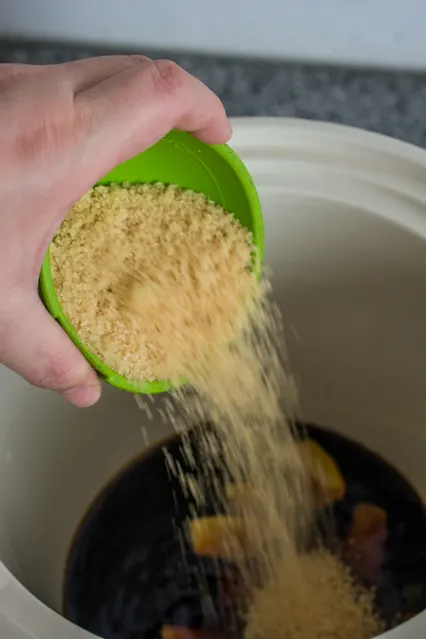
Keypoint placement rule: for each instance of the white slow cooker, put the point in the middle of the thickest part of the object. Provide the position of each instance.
(345, 217)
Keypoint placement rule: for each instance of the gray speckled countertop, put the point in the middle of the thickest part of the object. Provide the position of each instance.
(393, 103)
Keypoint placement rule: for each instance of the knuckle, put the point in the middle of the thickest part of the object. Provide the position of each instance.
(168, 77)
(48, 136)
(134, 60)
(10, 74)
(32, 144)
(57, 373)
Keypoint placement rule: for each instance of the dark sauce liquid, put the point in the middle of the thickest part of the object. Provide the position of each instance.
(129, 570)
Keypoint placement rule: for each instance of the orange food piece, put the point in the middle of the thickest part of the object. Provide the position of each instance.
(327, 480)
(367, 520)
(170, 632)
(364, 547)
(217, 536)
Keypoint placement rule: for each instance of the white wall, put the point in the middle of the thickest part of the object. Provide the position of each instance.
(377, 32)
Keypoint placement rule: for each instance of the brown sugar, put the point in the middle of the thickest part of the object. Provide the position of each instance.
(150, 276)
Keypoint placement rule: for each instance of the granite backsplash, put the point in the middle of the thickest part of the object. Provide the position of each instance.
(393, 103)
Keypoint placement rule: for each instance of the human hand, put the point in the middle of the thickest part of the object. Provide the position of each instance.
(62, 128)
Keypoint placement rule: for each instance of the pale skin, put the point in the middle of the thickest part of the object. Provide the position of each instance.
(62, 128)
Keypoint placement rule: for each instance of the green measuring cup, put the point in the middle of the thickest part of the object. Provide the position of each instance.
(178, 158)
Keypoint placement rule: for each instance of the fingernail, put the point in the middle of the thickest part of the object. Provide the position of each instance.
(85, 395)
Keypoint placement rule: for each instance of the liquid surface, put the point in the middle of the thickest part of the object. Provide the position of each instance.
(129, 570)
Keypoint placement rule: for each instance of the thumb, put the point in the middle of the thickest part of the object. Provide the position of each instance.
(37, 348)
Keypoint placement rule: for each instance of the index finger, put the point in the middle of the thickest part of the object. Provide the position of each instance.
(130, 111)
